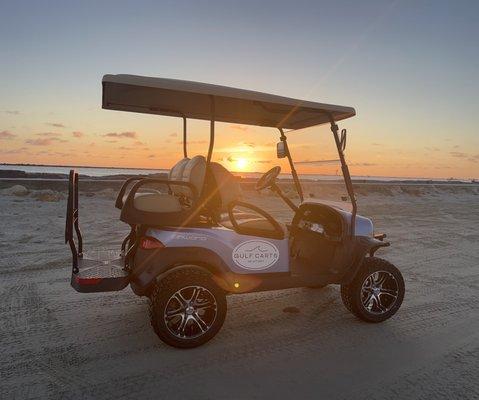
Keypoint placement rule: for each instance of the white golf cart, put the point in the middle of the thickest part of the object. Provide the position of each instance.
(196, 242)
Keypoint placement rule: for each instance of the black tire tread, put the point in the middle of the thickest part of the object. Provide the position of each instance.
(350, 292)
(171, 283)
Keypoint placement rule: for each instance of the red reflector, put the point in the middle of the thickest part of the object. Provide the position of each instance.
(87, 281)
(149, 243)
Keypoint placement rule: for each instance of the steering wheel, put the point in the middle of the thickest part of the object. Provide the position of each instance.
(268, 179)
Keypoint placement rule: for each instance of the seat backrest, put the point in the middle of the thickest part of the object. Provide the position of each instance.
(224, 188)
(194, 172)
(176, 172)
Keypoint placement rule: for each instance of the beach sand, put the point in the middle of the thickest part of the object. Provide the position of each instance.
(56, 343)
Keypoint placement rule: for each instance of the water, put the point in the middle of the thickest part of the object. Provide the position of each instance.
(99, 172)
(90, 171)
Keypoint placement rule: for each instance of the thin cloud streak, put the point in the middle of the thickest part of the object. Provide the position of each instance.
(55, 124)
(7, 135)
(316, 162)
(128, 135)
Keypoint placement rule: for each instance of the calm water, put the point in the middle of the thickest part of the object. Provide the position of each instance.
(98, 172)
(90, 171)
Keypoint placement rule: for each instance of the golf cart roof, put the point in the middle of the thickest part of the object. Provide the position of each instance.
(204, 101)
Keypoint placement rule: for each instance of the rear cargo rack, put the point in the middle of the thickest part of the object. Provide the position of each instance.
(100, 270)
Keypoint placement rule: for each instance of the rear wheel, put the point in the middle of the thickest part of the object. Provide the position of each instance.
(376, 292)
(187, 308)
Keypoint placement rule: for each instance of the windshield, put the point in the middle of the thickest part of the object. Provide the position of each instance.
(253, 152)
(317, 163)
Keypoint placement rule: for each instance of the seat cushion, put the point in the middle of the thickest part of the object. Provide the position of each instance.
(156, 202)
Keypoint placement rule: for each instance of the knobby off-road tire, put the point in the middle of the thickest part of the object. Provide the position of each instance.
(376, 292)
(172, 303)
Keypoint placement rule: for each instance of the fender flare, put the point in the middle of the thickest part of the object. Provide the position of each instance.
(156, 264)
(365, 246)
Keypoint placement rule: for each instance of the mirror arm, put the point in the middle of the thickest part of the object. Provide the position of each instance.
(297, 183)
(185, 151)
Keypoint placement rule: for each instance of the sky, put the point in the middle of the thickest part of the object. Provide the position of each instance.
(409, 68)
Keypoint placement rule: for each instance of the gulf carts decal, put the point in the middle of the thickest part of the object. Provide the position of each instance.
(255, 255)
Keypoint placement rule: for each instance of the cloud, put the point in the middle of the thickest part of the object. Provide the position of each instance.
(469, 157)
(128, 135)
(318, 162)
(362, 164)
(55, 124)
(239, 127)
(14, 151)
(12, 112)
(474, 158)
(263, 161)
(78, 134)
(151, 156)
(174, 134)
(46, 139)
(194, 142)
(458, 154)
(7, 135)
(40, 142)
(49, 134)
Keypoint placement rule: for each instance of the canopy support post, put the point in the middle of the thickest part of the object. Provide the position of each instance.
(297, 183)
(346, 174)
(185, 152)
(212, 130)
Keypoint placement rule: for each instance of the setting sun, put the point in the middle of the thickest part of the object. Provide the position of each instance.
(242, 163)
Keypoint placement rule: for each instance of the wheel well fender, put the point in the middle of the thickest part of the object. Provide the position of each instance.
(364, 246)
(150, 265)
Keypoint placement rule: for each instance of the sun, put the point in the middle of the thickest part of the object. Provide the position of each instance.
(242, 163)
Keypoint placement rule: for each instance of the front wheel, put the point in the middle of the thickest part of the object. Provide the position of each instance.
(187, 308)
(376, 292)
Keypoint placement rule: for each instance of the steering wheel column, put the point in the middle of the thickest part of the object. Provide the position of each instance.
(268, 181)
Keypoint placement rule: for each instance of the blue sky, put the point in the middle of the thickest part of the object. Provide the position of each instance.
(409, 68)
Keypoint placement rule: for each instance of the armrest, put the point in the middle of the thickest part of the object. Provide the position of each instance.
(144, 181)
(121, 193)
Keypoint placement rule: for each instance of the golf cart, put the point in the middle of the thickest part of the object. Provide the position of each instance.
(197, 241)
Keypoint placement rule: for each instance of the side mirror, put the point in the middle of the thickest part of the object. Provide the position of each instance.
(281, 150)
(342, 141)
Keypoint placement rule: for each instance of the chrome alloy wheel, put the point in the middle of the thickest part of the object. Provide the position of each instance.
(190, 312)
(379, 292)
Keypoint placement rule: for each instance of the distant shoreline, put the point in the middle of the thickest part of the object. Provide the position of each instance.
(74, 166)
(19, 175)
(306, 176)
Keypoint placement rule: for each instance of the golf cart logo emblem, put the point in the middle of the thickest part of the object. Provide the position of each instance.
(255, 254)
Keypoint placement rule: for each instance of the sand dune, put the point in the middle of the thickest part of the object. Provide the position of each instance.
(57, 343)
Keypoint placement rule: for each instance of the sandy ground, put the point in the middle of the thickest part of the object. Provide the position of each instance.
(57, 343)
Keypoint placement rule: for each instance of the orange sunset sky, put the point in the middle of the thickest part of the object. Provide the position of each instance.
(398, 64)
